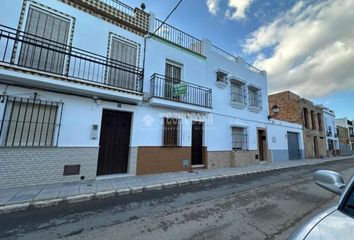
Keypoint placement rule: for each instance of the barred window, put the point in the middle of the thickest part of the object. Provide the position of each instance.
(255, 97)
(238, 92)
(330, 144)
(171, 132)
(239, 138)
(29, 122)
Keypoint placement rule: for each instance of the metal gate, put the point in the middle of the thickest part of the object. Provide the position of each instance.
(293, 146)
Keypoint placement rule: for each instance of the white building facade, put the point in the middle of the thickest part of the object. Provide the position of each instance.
(86, 91)
(332, 140)
(349, 126)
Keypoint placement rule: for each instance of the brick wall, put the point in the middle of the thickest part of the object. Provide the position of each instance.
(291, 110)
(33, 166)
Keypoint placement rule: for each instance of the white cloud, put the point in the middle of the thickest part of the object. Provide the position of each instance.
(238, 9)
(312, 48)
(213, 6)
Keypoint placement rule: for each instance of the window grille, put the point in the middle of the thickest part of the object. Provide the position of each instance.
(239, 138)
(238, 92)
(255, 97)
(171, 132)
(29, 122)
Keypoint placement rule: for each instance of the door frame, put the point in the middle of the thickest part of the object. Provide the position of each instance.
(129, 170)
(202, 145)
(265, 150)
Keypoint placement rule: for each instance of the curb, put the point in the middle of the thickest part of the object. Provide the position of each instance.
(132, 190)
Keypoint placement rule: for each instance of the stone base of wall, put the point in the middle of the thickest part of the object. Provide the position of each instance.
(34, 166)
(163, 159)
(221, 159)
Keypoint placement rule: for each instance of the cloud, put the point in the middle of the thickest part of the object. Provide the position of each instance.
(213, 6)
(310, 48)
(238, 9)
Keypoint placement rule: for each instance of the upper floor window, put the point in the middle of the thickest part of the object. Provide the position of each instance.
(173, 75)
(306, 117)
(171, 132)
(238, 94)
(313, 121)
(254, 97)
(319, 118)
(127, 53)
(239, 138)
(47, 55)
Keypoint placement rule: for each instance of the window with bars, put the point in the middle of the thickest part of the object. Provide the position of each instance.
(239, 138)
(221, 77)
(171, 132)
(29, 122)
(238, 94)
(254, 97)
(330, 144)
(126, 52)
(55, 30)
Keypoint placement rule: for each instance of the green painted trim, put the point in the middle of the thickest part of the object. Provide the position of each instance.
(172, 44)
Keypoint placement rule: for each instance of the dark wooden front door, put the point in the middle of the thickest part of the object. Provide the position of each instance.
(197, 143)
(114, 142)
(262, 145)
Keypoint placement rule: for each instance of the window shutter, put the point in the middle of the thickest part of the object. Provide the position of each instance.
(48, 26)
(124, 52)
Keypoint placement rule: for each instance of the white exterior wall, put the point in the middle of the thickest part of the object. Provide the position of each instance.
(90, 32)
(330, 121)
(278, 139)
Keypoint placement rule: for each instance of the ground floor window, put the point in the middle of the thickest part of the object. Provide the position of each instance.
(171, 132)
(29, 122)
(239, 138)
(330, 144)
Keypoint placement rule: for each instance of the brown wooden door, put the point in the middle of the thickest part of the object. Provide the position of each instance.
(197, 143)
(114, 142)
(262, 145)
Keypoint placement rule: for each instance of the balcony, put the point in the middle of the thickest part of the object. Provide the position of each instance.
(166, 91)
(31, 54)
(177, 37)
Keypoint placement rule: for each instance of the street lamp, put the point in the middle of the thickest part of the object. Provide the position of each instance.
(275, 110)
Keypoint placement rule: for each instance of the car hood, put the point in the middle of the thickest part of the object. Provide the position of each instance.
(335, 226)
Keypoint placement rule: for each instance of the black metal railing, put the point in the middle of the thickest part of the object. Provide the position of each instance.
(28, 51)
(120, 6)
(180, 91)
(177, 36)
(29, 122)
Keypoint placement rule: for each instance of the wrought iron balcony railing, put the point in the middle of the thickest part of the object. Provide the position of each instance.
(180, 91)
(39, 54)
(177, 36)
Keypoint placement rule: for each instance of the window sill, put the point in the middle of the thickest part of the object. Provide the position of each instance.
(239, 105)
(254, 109)
(221, 85)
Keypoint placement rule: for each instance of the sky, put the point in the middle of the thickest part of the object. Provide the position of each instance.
(305, 46)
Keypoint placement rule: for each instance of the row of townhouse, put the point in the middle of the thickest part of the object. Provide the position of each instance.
(324, 135)
(93, 89)
(345, 129)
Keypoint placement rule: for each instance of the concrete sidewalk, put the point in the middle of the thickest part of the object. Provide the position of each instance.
(16, 199)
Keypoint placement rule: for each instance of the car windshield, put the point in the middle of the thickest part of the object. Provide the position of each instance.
(348, 206)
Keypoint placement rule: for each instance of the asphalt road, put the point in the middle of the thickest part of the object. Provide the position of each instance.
(259, 206)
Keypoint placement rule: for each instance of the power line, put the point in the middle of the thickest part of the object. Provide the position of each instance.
(164, 21)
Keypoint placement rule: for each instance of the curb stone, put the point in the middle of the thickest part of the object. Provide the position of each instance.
(153, 187)
(86, 197)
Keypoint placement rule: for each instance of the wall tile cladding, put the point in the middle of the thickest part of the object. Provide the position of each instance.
(291, 110)
(138, 24)
(34, 166)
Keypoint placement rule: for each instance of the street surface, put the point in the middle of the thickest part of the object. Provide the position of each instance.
(259, 206)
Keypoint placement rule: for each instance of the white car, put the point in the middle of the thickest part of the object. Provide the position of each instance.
(337, 222)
